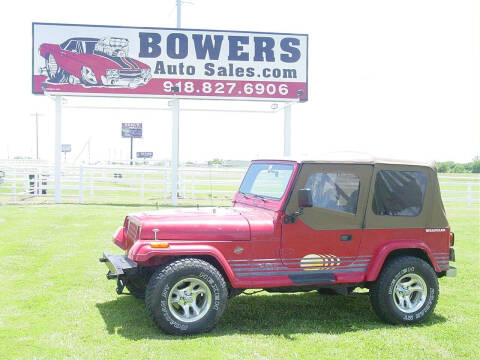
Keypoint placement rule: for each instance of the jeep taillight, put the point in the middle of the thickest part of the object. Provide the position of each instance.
(451, 240)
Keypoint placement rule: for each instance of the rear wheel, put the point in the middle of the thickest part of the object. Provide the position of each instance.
(405, 292)
(187, 296)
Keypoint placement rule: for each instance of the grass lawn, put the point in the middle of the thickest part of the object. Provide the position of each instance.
(56, 303)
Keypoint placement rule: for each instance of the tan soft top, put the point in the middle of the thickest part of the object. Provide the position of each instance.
(356, 158)
(432, 214)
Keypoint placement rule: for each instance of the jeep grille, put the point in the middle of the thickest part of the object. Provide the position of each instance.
(133, 230)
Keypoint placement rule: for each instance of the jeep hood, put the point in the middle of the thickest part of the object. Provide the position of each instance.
(205, 224)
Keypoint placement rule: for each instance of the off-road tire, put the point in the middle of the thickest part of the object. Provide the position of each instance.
(381, 292)
(163, 281)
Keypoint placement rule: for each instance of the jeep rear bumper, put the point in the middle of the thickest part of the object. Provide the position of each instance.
(119, 266)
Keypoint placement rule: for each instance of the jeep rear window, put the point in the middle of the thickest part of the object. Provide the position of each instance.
(399, 193)
(337, 191)
(266, 180)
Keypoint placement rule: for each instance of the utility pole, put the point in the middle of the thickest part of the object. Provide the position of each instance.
(36, 129)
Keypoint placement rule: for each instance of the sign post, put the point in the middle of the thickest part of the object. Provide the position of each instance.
(131, 151)
(58, 149)
(175, 148)
(176, 127)
(287, 130)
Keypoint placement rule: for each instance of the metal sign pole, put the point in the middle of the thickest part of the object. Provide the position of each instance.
(131, 150)
(287, 130)
(58, 149)
(175, 148)
(36, 131)
(176, 128)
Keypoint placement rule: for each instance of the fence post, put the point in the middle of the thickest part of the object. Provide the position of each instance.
(469, 195)
(80, 185)
(27, 183)
(36, 183)
(165, 185)
(92, 174)
(183, 182)
(192, 184)
(14, 187)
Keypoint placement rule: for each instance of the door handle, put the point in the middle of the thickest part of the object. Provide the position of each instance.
(346, 237)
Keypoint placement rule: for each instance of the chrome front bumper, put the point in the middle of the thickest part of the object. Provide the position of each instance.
(130, 82)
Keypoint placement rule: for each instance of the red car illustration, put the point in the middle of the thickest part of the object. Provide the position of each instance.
(94, 62)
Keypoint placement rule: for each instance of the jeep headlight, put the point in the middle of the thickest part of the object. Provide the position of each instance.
(113, 73)
(145, 73)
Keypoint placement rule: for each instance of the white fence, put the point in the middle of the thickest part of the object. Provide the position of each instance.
(469, 189)
(117, 184)
(33, 183)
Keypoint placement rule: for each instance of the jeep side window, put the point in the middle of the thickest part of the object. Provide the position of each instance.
(334, 191)
(399, 193)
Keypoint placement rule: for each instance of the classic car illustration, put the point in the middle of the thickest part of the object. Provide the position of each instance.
(94, 62)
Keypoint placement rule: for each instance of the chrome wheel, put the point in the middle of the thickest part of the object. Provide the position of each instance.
(409, 293)
(189, 300)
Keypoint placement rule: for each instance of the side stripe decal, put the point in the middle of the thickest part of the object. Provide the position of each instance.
(290, 273)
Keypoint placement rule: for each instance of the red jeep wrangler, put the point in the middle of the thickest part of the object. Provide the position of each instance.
(330, 226)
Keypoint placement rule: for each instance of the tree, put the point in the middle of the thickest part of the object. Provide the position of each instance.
(476, 166)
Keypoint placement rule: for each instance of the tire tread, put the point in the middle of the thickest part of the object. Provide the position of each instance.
(380, 287)
(157, 281)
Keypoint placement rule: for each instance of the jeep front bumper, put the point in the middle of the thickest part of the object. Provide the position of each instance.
(119, 266)
(451, 272)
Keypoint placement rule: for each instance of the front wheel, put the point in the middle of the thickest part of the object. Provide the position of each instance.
(88, 76)
(187, 296)
(405, 292)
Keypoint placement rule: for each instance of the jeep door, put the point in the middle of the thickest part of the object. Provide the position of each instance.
(327, 236)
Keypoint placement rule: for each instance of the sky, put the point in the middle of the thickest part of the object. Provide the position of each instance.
(394, 79)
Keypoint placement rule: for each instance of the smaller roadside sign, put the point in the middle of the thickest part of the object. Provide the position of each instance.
(144, 154)
(66, 148)
(132, 130)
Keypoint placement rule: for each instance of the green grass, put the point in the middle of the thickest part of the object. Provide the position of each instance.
(56, 303)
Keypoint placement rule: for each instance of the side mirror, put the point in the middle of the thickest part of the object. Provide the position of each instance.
(305, 198)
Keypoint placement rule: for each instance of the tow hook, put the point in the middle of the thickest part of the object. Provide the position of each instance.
(120, 287)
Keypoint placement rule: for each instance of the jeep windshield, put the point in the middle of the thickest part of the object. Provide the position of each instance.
(266, 180)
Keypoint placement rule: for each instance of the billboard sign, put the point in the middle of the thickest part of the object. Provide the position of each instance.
(132, 130)
(160, 62)
(144, 154)
(66, 148)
